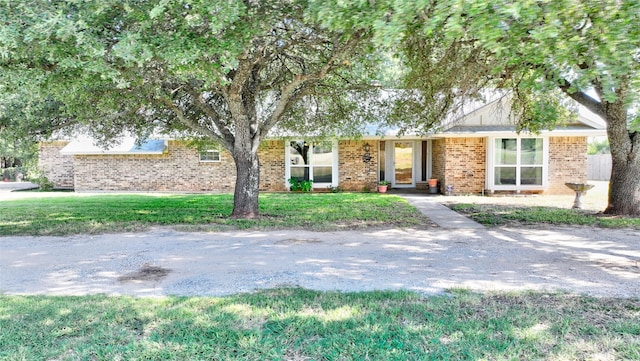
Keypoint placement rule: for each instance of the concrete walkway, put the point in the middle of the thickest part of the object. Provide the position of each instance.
(440, 214)
(11, 186)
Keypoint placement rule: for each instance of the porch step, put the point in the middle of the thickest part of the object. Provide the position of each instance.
(438, 213)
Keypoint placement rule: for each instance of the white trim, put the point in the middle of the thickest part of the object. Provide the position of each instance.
(335, 176)
(200, 153)
(429, 159)
(490, 169)
(414, 164)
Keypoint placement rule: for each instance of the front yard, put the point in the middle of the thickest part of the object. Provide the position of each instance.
(297, 324)
(72, 213)
(532, 210)
(106, 213)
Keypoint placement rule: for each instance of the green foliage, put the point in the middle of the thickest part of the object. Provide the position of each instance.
(45, 184)
(144, 66)
(598, 147)
(297, 185)
(301, 324)
(232, 72)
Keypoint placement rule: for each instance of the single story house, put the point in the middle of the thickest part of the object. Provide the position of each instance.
(477, 152)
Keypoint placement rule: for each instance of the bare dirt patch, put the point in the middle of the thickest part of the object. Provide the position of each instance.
(146, 273)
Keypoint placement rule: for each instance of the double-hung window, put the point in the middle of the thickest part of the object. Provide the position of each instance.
(317, 161)
(210, 155)
(518, 163)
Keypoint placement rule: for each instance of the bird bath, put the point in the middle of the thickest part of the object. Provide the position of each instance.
(579, 188)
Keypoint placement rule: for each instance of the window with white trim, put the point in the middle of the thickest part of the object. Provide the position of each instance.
(315, 161)
(519, 163)
(210, 155)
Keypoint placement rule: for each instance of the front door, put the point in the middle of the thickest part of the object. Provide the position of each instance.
(403, 164)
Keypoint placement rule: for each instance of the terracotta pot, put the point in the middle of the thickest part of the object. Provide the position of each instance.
(382, 189)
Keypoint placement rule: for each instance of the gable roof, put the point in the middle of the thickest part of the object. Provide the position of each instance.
(492, 118)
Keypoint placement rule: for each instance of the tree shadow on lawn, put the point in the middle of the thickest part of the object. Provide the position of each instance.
(298, 324)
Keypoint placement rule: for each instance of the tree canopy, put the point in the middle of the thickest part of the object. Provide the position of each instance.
(545, 52)
(233, 71)
(228, 71)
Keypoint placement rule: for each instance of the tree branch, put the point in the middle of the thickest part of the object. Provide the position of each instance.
(213, 115)
(300, 85)
(582, 98)
(188, 122)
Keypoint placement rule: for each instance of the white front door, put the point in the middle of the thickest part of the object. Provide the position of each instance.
(403, 164)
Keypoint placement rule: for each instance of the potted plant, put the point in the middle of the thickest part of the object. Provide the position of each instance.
(383, 185)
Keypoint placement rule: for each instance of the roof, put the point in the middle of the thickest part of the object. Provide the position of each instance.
(126, 145)
(493, 117)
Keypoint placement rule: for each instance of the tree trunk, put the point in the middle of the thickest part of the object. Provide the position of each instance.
(624, 186)
(245, 200)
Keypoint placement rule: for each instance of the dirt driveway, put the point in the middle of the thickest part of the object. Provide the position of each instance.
(595, 261)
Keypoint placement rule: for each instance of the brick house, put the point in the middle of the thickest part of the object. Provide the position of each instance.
(478, 152)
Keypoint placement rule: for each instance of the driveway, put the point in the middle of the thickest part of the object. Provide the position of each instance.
(599, 262)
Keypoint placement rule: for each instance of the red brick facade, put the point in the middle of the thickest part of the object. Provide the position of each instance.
(460, 162)
(354, 173)
(567, 163)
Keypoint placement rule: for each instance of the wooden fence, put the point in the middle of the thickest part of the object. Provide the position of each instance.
(599, 167)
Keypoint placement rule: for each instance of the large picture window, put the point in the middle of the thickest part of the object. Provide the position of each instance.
(312, 161)
(519, 162)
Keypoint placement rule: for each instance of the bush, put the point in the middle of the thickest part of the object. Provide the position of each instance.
(44, 183)
(300, 186)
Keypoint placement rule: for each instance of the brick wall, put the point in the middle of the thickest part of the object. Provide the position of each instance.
(438, 161)
(461, 162)
(271, 154)
(465, 164)
(567, 163)
(178, 169)
(56, 167)
(354, 173)
(456, 161)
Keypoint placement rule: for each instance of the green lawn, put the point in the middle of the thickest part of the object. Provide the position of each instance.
(92, 214)
(297, 324)
(500, 215)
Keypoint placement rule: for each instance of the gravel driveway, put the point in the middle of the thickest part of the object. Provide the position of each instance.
(594, 261)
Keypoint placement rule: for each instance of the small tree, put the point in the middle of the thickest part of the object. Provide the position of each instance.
(230, 71)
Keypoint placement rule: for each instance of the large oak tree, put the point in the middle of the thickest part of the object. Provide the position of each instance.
(229, 71)
(585, 50)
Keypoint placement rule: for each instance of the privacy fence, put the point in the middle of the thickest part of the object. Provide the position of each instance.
(599, 167)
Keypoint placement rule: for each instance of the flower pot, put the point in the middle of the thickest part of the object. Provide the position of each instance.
(382, 189)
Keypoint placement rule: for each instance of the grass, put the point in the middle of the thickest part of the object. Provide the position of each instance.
(501, 215)
(298, 324)
(94, 214)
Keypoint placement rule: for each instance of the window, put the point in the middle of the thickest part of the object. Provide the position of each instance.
(312, 161)
(519, 163)
(210, 155)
